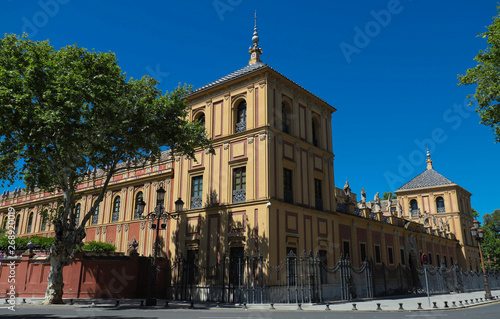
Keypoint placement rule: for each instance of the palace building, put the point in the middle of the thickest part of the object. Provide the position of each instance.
(268, 190)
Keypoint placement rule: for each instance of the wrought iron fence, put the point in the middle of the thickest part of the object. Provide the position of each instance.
(306, 278)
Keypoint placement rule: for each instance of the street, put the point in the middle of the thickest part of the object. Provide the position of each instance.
(489, 311)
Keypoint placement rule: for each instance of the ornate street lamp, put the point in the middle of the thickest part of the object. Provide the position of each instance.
(156, 216)
(478, 234)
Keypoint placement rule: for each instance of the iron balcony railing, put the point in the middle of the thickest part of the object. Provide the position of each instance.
(196, 202)
(239, 195)
(241, 127)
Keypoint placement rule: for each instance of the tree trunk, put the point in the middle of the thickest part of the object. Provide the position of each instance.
(54, 293)
(60, 254)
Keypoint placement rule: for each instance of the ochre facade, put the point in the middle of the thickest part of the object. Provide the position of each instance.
(269, 189)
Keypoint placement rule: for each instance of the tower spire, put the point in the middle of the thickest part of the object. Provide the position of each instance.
(429, 161)
(255, 51)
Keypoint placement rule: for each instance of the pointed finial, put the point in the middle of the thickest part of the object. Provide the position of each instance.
(429, 161)
(255, 51)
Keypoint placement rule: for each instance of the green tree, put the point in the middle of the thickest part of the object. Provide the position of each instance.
(491, 243)
(387, 194)
(486, 75)
(475, 214)
(69, 111)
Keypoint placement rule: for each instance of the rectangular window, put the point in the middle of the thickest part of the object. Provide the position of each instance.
(197, 192)
(403, 259)
(451, 261)
(378, 259)
(438, 260)
(347, 252)
(239, 184)
(287, 185)
(430, 259)
(390, 255)
(362, 250)
(318, 195)
(445, 261)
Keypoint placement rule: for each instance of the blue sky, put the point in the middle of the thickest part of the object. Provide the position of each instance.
(389, 67)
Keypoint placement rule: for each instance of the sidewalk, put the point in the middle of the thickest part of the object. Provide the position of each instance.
(404, 303)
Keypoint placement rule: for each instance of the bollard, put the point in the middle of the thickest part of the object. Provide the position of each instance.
(354, 307)
(419, 306)
(327, 306)
(142, 303)
(400, 306)
(378, 307)
(272, 306)
(453, 304)
(93, 303)
(191, 306)
(71, 302)
(217, 304)
(117, 303)
(446, 304)
(166, 304)
(434, 304)
(299, 306)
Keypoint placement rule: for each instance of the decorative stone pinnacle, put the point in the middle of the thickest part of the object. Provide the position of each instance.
(429, 161)
(255, 51)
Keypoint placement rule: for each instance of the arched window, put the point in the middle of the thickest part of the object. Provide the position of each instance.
(77, 213)
(315, 132)
(44, 223)
(241, 117)
(116, 210)
(201, 119)
(30, 223)
(285, 119)
(95, 217)
(18, 219)
(139, 197)
(414, 207)
(440, 205)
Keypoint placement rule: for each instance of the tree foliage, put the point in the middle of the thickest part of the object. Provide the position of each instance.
(491, 244)
(65, 112)
(387, 194)
(486, 76)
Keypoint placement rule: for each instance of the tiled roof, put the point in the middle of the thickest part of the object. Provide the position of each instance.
(235, 74)
(427, 178)
(243, 71)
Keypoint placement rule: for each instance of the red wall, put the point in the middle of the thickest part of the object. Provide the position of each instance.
(85, 277)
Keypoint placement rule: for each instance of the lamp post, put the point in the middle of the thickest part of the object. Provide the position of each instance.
(478, 234)
(159, 214)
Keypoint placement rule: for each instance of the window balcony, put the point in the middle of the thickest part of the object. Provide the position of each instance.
(319, 203)
(341, 207)
(239, 195)
(241, 127)
(115, 216)
(441, 210)
(288, 194)
(196, 202)
(415, 212)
